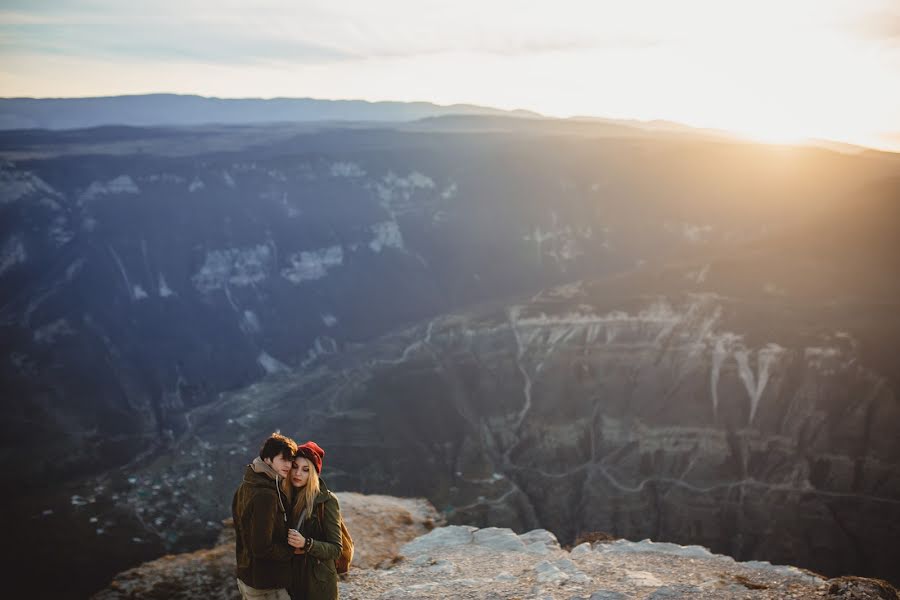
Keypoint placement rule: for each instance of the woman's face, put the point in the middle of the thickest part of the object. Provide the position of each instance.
(300, 472)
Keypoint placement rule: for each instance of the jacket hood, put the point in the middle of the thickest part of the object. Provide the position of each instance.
(254, 478)
(261, 466)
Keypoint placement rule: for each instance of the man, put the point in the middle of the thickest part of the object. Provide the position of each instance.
(260, 516)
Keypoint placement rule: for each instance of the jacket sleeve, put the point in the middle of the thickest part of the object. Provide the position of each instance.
(261, 530)
(234, 516)
(330, 547)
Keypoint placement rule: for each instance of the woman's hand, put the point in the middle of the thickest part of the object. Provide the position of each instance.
(295, 539)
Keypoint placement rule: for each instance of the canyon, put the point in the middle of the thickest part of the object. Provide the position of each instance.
(650, 334)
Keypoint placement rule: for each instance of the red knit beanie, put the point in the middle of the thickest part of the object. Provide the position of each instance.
(312, 452)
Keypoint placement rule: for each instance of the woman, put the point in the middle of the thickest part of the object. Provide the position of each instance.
(316, 533)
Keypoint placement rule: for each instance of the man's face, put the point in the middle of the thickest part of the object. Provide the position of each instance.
(281, 465)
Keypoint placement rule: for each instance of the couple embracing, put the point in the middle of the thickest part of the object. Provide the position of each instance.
(287, 525)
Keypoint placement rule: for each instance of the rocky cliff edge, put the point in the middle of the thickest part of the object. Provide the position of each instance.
(403, 552)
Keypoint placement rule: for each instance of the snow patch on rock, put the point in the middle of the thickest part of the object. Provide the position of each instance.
(396, 193)
(164, 290)
(413, 180)
(313, 264)
(250, 322)
(123, 184)
(825, 359)
(346, 169)
(58, 233)
(12, 254)
(169, 178)
(239, 267)
(450, 191)
(387, 235)
(15, 184)
(755, 382)
(730, 344)
(74, 269)
(271, 364)
(322, 346)
(49, 333)
(559, 242)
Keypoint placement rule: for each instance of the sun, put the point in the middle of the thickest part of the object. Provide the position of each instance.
(775, 137)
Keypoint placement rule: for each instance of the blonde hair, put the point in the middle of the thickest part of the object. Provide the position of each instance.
(307, 494)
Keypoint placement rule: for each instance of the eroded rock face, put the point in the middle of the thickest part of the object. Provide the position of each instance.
(672, 419)
(204, 265)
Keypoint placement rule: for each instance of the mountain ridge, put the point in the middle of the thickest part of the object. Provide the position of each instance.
(188, 109)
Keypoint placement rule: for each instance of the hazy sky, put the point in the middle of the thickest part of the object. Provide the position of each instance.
(777, 69)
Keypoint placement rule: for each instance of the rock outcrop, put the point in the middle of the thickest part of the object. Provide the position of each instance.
(379, 525)
(495, 563)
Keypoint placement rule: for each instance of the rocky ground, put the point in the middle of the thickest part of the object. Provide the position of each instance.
(492, 563)
(414, 559)
(210, 573)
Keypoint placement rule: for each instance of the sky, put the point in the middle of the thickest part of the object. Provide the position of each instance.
(775, 70)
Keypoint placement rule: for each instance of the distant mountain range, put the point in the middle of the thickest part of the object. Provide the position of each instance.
(174, 109)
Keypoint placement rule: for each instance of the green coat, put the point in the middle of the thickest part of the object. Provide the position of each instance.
(260, 527)
(313, 576)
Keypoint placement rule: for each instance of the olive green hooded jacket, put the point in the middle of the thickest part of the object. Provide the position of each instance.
(260, 525)
(313, 575)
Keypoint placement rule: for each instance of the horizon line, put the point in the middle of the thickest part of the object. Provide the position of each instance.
(724, 131)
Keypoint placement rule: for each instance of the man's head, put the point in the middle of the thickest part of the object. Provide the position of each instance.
(278, 451)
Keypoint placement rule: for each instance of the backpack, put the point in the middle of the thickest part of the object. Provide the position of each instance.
(342, 562)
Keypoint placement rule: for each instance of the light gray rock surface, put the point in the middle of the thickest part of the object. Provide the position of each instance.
(496, 564)
(498, 539)
(462, 562)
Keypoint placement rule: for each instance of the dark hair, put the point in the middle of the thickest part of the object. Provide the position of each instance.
(278, 444)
